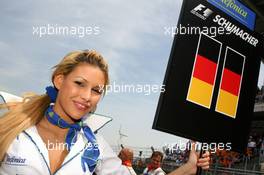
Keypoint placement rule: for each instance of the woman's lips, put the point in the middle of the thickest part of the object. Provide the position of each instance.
(80, 106)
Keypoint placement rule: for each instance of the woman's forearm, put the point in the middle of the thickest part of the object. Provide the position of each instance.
(186, 169)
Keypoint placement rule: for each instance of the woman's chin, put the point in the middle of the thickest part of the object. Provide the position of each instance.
(75, 120)
(77, 117)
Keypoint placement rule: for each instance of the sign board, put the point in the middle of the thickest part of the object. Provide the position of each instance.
(212, 74)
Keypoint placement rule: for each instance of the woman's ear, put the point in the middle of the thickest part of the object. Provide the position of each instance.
(58, 80)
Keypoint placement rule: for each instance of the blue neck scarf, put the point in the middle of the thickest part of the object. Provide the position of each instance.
(91, 152)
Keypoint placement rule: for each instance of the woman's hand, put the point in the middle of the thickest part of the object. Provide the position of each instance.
(193, 163)
(194, 160)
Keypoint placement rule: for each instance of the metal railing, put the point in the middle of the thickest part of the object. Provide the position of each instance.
(247, 166)
(230, 171)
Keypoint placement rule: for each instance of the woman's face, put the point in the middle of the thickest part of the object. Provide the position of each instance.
(79, 91)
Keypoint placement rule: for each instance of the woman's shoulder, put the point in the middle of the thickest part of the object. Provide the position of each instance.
(23, 134)
(102, 143)
(25, 154)
(96, 121)
(25, 141)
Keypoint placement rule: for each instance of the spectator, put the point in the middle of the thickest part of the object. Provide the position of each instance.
(154, 167)
(126, 155)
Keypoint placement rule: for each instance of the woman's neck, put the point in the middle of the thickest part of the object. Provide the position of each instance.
(55, 130)
(63, 115)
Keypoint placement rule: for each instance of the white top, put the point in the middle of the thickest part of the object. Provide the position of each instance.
(130, 169)
(10, 97)
(28, 155)
(157, 171)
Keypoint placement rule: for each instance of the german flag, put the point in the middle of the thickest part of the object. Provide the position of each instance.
(204, 71)
(232, 75)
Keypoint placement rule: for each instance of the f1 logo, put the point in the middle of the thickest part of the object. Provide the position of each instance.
(206, 12)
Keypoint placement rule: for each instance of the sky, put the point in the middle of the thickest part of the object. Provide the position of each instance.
(129, 34)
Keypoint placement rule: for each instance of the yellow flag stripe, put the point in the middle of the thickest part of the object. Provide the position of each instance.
(227, 103)
(200, 92)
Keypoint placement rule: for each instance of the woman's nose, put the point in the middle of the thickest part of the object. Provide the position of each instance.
(86, 95)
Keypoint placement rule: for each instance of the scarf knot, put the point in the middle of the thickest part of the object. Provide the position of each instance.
(91, 152)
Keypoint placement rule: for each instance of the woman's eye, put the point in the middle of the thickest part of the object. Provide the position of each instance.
(97, 91)
(79, 83)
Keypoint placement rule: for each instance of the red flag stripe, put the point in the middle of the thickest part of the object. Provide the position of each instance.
(205, 69)
(231, 82)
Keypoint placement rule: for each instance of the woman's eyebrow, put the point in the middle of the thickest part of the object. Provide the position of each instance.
(97, 86)
(81, 78)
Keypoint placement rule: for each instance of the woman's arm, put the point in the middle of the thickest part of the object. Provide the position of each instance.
(190, 167)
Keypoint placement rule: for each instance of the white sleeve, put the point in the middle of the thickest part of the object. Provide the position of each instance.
(160, 172)
(109, 163)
